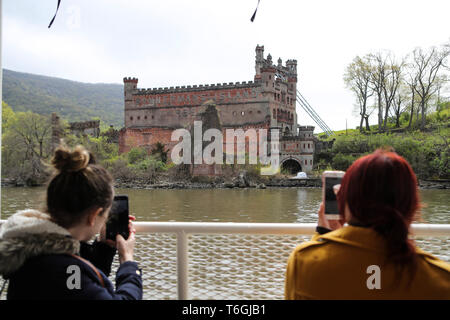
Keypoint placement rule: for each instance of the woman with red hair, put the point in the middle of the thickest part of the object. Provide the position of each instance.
(372, 257)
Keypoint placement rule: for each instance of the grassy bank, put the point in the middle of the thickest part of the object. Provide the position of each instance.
(427, 151)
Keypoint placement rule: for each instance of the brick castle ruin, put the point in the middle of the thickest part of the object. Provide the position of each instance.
(267, 102)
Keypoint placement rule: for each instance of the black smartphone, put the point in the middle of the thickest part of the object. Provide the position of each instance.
(118, 218)
(329, 180)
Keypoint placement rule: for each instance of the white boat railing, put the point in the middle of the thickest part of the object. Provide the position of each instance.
(187, 243)
(183, 229)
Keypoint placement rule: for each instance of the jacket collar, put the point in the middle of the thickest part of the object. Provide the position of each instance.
(356, 236)
(30, 233)
(30, 222)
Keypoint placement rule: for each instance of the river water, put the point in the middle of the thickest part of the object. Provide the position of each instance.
(223, 205)
(223, 266)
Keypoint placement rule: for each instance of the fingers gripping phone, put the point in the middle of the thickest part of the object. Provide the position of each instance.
(329, 180)
(118, 218)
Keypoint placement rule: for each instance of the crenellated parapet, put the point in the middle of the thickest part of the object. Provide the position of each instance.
(295, 138)
(306, 128)
(196, 88)
(129, 79)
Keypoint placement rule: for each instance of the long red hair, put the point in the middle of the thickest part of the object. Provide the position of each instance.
(381, 192)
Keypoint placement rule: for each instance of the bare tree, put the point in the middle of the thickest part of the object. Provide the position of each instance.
(399, 103)
(357, 78)
(412, 84)
(391, 84)
(426, 71)
(35, 131)
(31, 134)
(378, 72)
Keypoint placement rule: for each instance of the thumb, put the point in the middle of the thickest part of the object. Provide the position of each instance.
(336, 188)
(321, 211)
(119, 238)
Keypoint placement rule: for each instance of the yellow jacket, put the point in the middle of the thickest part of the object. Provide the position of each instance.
(337, 265)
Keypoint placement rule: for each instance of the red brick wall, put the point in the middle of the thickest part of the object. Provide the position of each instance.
(148, 137)
(193, 98)
(175, 109)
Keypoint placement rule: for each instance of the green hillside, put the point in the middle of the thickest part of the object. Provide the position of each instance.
(426, 150)
(73, 101)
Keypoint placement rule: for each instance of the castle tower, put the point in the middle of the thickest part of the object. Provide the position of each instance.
(291, 66)
(259, 60)
(129, 88)
(269, 59)
(129, 85)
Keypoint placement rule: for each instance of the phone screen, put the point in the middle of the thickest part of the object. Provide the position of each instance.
(118, 219)
(331, 205)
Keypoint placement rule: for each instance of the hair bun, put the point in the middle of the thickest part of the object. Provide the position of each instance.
(65, 160)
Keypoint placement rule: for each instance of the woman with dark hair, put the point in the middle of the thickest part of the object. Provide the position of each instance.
(45, 254)
(372, 257)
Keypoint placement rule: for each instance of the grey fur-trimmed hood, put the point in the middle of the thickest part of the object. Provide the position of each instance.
(30, 233)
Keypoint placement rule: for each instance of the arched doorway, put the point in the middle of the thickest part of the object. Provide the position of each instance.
(291, 166)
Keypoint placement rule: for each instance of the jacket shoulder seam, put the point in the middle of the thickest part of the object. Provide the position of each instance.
(309, 244)
(434, 261)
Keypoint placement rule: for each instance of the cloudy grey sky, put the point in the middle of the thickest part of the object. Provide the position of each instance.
(175, 42)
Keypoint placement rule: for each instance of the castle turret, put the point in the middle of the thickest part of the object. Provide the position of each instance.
(269, 59)
(129, 88)
(129, 85)
(292, 66)
(259, 60)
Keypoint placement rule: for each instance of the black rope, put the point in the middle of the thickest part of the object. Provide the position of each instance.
(254, 14)
(57, 7)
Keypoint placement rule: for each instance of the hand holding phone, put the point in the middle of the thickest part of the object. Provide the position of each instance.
(330, 179)
(118, 221)
(329, 224)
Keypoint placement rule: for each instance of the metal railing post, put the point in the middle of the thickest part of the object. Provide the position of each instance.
(182, 266)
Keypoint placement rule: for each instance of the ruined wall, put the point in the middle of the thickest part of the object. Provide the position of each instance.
(57, 131)
(177, 107)
(112, 135)
(157, 112)
(144, 137)
(91, 128)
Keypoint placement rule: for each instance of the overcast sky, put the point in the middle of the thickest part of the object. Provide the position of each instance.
(175, 42)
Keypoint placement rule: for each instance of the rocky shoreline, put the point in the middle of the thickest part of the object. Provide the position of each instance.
(434, 184)
(274, 183)
(240, 182)
(307, 183)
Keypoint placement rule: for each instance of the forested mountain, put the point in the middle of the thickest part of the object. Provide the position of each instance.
(73, 101)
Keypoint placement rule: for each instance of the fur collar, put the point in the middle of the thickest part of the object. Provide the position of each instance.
(30, 233)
